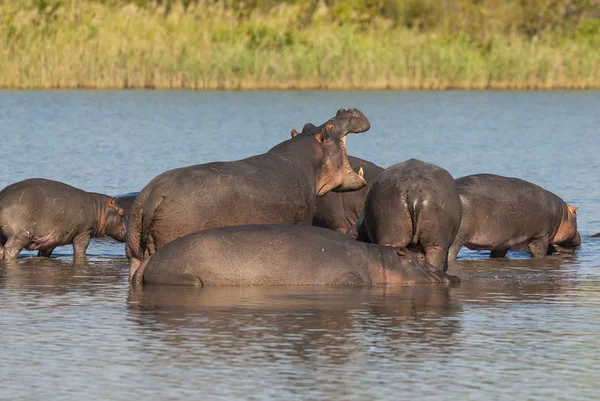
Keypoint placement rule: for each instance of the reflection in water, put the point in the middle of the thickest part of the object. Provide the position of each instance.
(310, 314)
(518, 280)
(314, 340)
(508, 321)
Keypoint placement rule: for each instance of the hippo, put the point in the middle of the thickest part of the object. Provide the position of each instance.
(502, 213)
(339, 211)
(126, 200)
(282, 254)
(595, 235)
(277, 187)
(413, 204)
(40, 214)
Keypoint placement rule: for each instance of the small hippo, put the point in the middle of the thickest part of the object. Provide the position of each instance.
(40, 214)
(500, 213)
(126, 200)
(413, 204)
(595, 235)
(277, 187)
(278, 254)
(339, 211)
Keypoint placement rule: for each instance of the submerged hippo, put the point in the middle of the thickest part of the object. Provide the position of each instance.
(40, 214)
(414, 204)
(275, 187)
(277, 254)
(500, 213)
(595, 235)
(340, 211)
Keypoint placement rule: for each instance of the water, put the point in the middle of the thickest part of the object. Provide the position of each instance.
(514, 329)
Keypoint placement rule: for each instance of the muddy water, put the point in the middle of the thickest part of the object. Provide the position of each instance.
(514, 329)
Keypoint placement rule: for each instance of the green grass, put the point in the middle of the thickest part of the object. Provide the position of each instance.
(84, 44)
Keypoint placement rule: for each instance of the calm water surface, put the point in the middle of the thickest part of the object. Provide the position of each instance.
(514, 329)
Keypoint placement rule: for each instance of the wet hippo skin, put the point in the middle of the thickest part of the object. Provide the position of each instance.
(40, 214)
(413, 204)
(277, 187)
(502, 213)
(278, 254)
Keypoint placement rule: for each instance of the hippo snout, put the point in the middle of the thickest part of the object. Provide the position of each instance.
(569, 246)
(359, 123)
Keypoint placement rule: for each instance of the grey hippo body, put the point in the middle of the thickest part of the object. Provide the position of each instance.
(277, 187)
(500, 213)
(413, 204)
(282, 255)
(40, 214)
(339, 211)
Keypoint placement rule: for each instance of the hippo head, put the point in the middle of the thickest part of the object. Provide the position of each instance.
(335, 173)
(115, 225)
(404, 266)
(567, 235)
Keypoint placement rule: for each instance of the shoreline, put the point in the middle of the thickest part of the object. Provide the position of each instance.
(500, 87)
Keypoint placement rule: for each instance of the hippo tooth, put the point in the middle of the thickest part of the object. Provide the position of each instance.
(361, 172)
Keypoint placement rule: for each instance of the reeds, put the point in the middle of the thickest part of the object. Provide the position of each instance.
(82, 44)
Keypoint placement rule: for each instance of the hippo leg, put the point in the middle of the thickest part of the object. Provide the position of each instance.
(14, 246)
(498, 253)
(80, 245)
(437, 256)
(454, 249)
(539, 247)
(45, 253)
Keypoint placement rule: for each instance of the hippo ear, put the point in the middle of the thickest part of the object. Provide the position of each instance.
(111, 202)
(573, 209)
(293, 133)
(319, 136)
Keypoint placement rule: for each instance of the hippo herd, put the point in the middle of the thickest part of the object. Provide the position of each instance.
(303, 213)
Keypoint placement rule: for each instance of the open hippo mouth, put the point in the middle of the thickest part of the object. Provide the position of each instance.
(350, 121)
(344, 178)
(351, 180)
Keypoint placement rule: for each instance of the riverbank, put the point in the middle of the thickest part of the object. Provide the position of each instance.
(81, 44)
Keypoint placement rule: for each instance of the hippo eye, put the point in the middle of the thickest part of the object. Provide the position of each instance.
(121, 212)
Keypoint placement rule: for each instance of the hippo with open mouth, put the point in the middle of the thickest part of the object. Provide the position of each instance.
(277, 187)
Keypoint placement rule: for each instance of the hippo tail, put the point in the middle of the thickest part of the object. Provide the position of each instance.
(414, 209)
(147, 220)
(133, 245)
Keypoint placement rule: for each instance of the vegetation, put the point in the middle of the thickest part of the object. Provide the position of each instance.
(333, 44)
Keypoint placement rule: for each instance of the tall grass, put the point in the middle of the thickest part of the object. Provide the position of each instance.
(84, 44)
